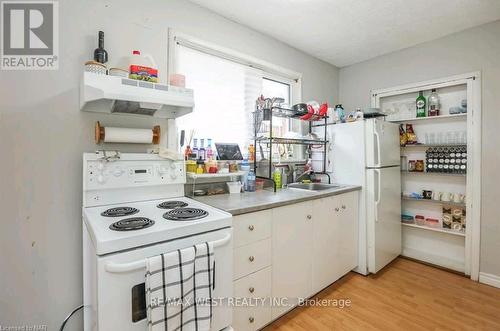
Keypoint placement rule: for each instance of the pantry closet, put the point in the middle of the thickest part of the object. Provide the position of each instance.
(440, 171)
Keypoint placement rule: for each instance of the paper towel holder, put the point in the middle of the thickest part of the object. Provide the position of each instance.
(100, 133)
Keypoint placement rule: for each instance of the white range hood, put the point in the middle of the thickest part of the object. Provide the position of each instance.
(118, 95)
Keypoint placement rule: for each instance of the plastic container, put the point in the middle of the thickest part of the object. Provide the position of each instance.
(142, 67)
(251, 181)
(259, 184)
(234, 187)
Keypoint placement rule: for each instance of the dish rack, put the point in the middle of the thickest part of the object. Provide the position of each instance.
(267, 114)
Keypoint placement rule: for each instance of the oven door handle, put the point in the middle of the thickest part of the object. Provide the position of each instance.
(118, 268)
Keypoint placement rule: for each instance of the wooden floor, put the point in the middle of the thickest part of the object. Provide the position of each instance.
(405, 295)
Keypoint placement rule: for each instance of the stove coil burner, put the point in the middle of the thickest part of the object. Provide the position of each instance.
(172, 204)
(120, 211)
(185, 214)
(133, 223)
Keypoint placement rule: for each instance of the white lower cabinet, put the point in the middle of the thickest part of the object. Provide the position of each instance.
(253, 311)
(291, 255)
(335, 245)
(304, 248)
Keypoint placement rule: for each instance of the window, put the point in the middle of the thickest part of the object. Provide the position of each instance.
(225, 94)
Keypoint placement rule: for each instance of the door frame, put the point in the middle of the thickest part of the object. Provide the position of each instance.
(474, 155)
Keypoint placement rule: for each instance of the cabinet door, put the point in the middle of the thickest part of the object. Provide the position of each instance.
(325, 242)
(347, 237)
(292, 251)
(335, 238)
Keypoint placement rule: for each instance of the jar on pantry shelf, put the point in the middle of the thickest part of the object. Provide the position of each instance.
(419, 220)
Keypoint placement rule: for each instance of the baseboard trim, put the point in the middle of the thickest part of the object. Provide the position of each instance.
(489, 279)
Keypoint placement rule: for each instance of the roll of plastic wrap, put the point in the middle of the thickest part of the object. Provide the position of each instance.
(127, 135)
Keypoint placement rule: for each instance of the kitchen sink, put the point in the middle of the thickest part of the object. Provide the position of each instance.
(312, 186)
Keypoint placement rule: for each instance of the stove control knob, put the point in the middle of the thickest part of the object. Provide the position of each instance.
(173, 176)
(101, 179)
(172, 166)
(100, 166)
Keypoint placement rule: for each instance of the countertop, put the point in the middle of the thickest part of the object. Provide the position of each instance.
(248, 202)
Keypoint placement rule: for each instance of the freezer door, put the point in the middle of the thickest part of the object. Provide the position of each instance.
(382, 144)
(383, 215)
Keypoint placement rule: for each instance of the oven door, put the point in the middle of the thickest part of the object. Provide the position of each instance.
(121, 300)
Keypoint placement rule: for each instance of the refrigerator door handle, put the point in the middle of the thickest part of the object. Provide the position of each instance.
(377, 192)
(377, 147)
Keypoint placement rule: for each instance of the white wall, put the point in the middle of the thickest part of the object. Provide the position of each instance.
(43, 135)
(467, 51)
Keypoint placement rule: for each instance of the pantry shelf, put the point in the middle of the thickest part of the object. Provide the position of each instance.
(448, 203)
(447, 231)
(433, 145)
(432, 118)
(405, 172)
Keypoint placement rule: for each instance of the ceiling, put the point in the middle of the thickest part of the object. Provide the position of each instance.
(344, 32)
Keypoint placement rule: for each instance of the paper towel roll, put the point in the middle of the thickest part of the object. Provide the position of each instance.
(127, 135)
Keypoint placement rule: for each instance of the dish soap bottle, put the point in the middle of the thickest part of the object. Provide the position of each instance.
(420, 103)
(202, 152)
(433, 102)
(277, 178)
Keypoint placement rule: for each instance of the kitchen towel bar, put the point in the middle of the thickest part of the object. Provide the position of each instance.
(141, 264)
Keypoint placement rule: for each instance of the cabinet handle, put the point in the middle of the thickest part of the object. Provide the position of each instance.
(343, 207)
(251, 258)
(251, 319)
(309, 217)
(251, 289)
(337, 209)
(251, 227)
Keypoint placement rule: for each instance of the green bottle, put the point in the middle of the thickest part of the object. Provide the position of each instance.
(421, 104)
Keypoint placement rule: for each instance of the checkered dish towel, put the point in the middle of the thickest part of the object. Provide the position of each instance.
(179, 289)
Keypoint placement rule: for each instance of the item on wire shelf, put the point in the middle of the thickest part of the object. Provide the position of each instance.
(251, 153)
(126, 135)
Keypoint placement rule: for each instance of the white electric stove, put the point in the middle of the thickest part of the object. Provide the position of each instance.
(133, 208)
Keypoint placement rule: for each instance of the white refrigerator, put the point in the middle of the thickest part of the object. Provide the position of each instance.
(367, 153)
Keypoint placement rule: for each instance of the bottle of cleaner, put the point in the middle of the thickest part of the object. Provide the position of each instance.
(277, 178)
(142, 67)
(209, 151)
(195, 148)
(202, 151)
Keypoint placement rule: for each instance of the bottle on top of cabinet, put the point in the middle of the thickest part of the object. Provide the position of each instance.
(433, 104)
(420, 103)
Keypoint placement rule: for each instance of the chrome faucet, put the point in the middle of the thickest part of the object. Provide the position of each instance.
(309, 173)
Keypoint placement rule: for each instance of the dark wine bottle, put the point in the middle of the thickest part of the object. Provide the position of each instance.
(100, 54)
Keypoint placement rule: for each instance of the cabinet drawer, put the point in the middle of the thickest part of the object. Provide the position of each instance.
(252, 257)
(256, 285)
(249, 228)
(251, 318)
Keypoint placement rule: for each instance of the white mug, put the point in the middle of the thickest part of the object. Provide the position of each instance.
(436, 195)
(446, 196)
(457, 197)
